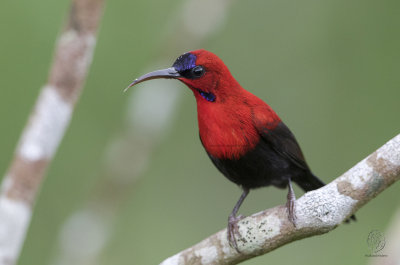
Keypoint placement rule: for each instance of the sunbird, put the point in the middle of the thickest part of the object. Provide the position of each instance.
(243, 136)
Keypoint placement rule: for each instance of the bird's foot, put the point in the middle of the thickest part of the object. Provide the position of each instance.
(290, 205)
(233, 230)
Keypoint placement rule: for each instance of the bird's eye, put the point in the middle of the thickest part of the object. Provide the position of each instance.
(193, 73)
(197, 71)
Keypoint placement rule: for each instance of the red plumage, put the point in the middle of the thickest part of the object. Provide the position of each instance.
(228, 128)
(243, 136)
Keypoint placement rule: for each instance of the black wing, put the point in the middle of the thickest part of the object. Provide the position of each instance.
(283, 142)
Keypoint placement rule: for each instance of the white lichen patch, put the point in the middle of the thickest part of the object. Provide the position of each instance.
(14, 219)
(325, 207)
(78, 47)
(359, 175)
(46, 127)
(207, 254)
(390, 151)
(364, 172)
(226, 248)
(255, 232)
(89, 41)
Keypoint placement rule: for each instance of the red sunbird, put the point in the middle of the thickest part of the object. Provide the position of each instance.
(243, 136)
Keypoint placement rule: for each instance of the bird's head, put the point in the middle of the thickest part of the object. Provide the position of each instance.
(202, 71)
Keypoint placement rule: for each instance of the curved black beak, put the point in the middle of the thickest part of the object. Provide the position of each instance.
(164, 73)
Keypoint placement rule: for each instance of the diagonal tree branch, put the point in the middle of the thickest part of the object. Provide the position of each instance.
(317, 212)
(46, 126)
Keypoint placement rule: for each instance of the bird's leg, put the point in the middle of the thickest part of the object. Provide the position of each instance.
(233, 220)
(290, 204)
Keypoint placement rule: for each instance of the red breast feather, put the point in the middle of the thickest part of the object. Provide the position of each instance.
(228, 129)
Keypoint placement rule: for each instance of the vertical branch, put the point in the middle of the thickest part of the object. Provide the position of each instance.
(46, 126)
(93, 224)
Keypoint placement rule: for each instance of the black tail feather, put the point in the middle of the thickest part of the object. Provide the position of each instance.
(309, 182)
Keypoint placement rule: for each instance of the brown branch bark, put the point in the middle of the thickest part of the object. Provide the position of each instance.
(47, 124)
(317, 212)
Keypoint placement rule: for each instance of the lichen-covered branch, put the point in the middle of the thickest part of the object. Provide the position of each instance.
(317, 212)
(93, 224)
(46, 126)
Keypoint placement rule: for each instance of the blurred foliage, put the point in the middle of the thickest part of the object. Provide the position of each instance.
(329, 68)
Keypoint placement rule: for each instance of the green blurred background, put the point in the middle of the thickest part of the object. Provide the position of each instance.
(329, 68)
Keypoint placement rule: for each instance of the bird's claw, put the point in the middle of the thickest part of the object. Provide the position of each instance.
(290, 205)
(233, 230)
